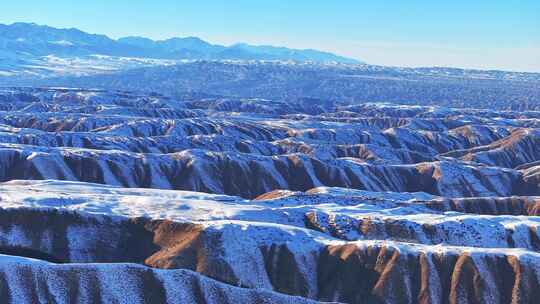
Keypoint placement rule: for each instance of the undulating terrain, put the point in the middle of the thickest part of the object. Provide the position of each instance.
(189, 67)
(122, 197)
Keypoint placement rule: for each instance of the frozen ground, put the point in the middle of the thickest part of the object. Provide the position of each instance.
(372, 203)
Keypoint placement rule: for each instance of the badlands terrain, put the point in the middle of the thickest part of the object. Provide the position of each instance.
(122, 197)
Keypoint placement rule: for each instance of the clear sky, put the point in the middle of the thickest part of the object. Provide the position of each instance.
(503, 34)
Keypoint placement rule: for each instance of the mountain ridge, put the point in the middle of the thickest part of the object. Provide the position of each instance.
(23, 40)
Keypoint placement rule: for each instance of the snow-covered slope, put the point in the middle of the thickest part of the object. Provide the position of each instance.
(322, 244)
(372, 203)
(28, 280)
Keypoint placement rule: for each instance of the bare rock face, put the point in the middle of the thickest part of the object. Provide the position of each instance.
(114, 196)
(529, 206)
(381, 274)
(517, 149)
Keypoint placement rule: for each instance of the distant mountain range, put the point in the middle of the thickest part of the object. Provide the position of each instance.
(20, 42)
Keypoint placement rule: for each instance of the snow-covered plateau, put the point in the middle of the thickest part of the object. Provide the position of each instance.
(120, 197)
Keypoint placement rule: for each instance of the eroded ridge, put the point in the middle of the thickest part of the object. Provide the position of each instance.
(373, 203)
(321, 244)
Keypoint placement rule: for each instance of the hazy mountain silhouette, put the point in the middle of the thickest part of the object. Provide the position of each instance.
(26, 40)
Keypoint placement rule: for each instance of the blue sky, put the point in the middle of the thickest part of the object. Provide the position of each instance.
(502, 34)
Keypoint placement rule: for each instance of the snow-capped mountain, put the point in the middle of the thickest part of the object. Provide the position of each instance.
(26, 47)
